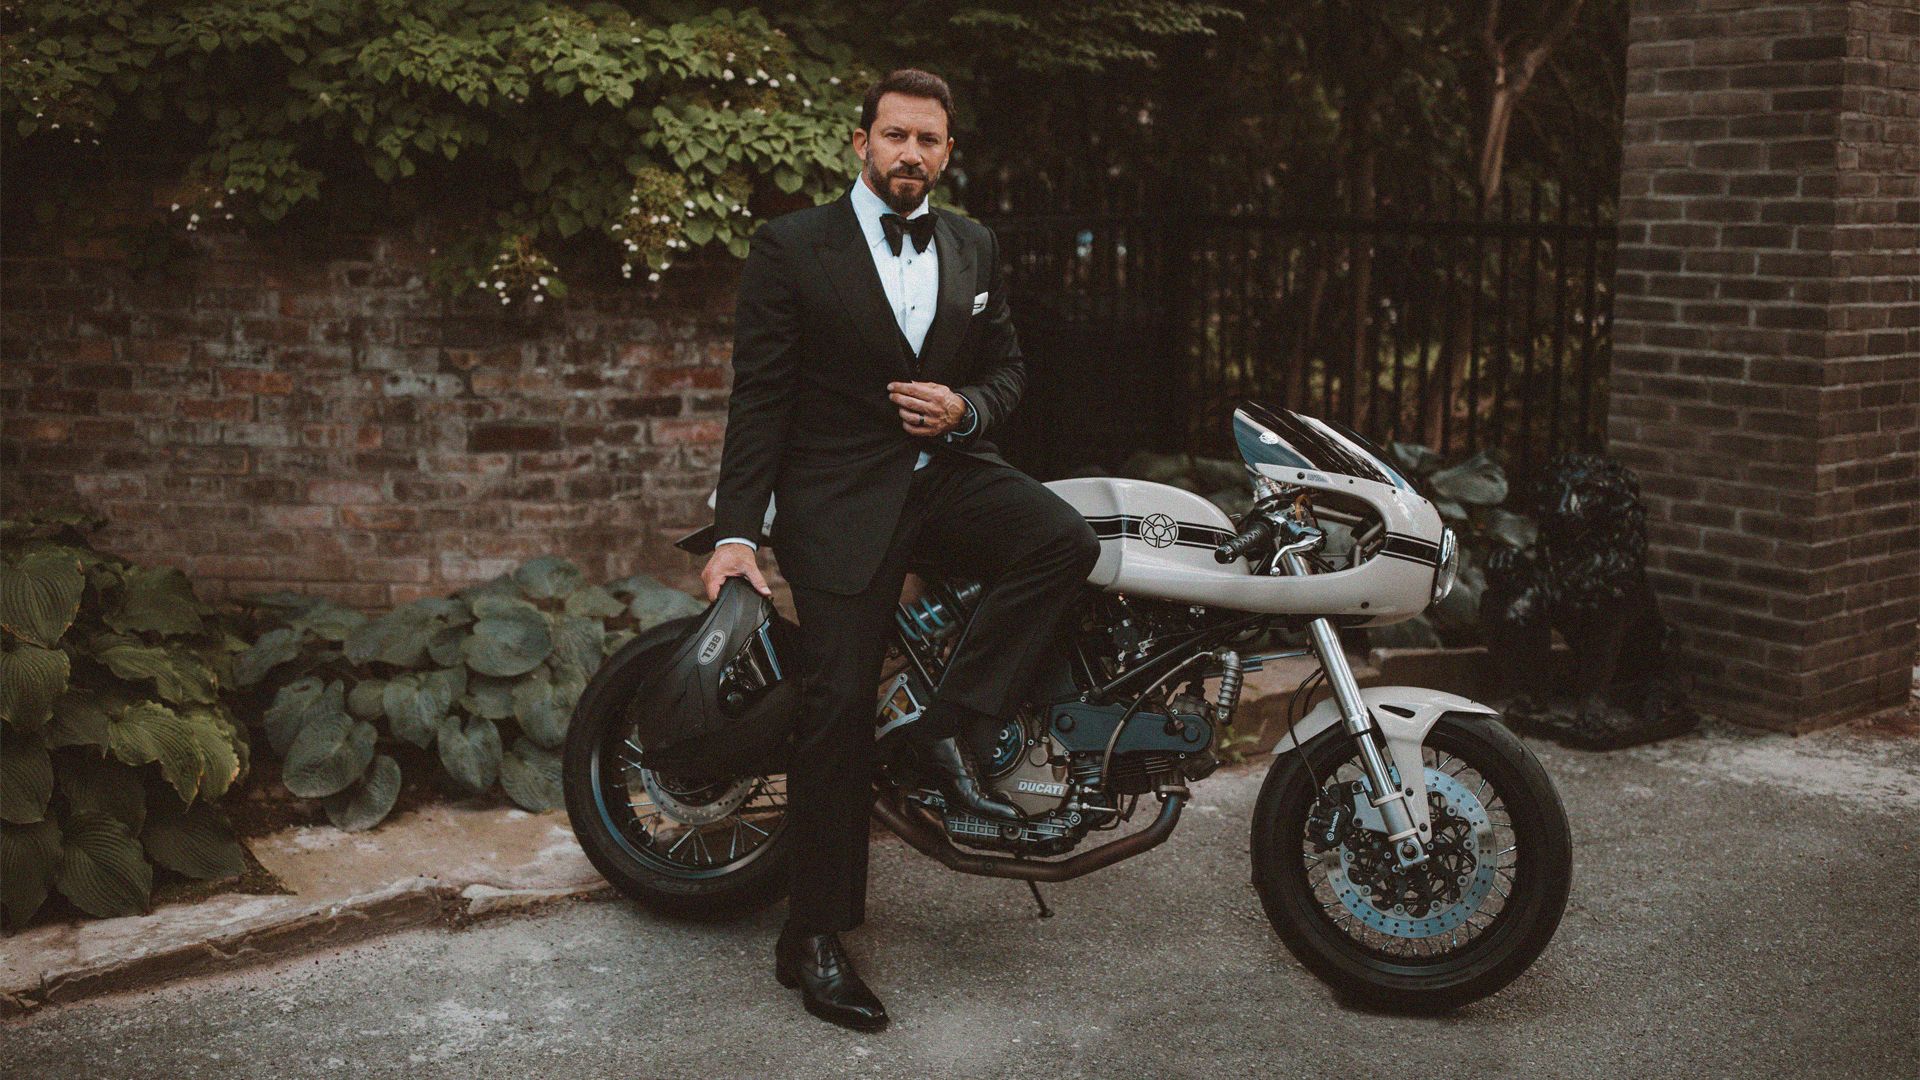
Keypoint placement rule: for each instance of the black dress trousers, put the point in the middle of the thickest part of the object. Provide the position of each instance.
(1032, 551)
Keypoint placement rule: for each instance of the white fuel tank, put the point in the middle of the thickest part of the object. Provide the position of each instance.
(1150, 534)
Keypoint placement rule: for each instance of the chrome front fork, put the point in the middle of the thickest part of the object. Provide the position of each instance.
(1386, 792)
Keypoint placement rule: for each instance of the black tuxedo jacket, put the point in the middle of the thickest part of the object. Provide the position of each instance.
(809, 420)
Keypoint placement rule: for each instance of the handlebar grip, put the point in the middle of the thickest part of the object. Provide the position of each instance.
(1244, 541)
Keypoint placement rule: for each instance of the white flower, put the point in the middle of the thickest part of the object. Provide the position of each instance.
(791, 77)
(759, 74)
(653, 275)
(773, 84)
(504, 300)
(834, 79)
(543, 280)
(727, 74)
(537, 298)
(729, 58)
(499, 284)
(615, 227)
(688, 203)
(806, 103)
(175, 206)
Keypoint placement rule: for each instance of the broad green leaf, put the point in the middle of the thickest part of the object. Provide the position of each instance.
(29, 860)
(79, 719)
(368, 800)
(331, 752)
(198, 843)
(218, 742)
(328, 621)
(443, 647)
(180, 676)
(31, 680)
(508, 643)
(26, 780)
(594, 602)
(1477, 481)
(274, 648)
(367, 700)
(470, 752)
(415, 702)
(549, 577)
(102, 867)
(577, 641)
(90, 782)
(40, 597)
(633, 585)
(1511, 529)
(489, 698)
(652, 607)
(399, 638)
(292, 707)
(543, 715)
(531, 776)
(157, 600)
(151, 732)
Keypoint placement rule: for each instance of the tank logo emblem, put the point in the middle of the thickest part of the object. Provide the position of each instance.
(710, 648)
(1159, 530)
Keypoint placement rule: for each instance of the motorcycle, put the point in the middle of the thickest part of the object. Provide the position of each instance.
(1406, 847)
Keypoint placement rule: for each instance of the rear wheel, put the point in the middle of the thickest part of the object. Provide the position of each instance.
(1435, 936)
(692, 848)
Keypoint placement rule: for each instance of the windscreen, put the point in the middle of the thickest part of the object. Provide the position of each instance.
(1292, 441)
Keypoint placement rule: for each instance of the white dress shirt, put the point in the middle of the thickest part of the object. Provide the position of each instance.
(911, 281)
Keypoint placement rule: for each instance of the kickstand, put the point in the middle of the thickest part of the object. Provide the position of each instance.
(1045, 911)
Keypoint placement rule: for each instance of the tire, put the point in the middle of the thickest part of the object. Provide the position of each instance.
(1415, 966)
(627, 845)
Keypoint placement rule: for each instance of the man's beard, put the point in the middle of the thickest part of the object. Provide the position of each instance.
(900, 204)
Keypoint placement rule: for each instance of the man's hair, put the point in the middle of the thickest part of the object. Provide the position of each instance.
(912, 82)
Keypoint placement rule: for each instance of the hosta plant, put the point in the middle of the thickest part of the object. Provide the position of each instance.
(114, 743)
(1469, 495)
(485, 680)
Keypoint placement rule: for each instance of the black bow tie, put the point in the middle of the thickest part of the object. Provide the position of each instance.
(920, 227)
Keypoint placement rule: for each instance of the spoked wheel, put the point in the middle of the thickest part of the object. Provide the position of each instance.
(1434, 936)
(698, 848)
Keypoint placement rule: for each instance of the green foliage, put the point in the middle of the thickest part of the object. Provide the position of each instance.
(113, 740)
(550, 118)
(1469, 496)
(463, 676)
(518, 125)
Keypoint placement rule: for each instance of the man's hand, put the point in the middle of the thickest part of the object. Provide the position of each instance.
(729, 560)
(927, 408)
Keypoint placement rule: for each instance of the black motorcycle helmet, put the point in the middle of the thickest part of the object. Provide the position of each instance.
(726, 702)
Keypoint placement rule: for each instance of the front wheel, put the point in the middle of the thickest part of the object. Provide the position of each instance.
(1435, 936)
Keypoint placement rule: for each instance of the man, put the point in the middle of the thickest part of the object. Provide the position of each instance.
(873, 355)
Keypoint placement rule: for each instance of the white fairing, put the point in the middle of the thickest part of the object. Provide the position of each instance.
(1157, 541)
(1404, 714)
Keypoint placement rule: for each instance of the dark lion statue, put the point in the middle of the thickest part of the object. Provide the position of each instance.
(1585, 576)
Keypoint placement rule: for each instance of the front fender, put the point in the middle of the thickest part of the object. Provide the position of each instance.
(1404, 714)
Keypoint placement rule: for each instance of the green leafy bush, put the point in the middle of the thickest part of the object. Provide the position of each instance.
(1469, 496)
(519, 124)
(114, 742)
(486, 678)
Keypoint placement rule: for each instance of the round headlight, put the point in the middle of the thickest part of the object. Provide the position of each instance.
(1449, 568)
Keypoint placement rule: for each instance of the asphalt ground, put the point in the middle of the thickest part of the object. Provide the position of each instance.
(1743, 905)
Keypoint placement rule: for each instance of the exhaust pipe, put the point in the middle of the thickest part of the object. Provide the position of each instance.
(917, 826)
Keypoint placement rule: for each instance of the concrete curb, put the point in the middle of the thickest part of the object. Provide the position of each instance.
(347, 887)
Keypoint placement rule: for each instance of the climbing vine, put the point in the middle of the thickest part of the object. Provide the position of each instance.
(647, 126)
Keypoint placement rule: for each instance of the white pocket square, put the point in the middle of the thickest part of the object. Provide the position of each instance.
(979, 303)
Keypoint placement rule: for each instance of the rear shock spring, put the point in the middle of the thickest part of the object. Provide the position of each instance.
(938, 612)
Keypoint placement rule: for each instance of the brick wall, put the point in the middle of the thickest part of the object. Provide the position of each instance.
(314, 417)
(1766, 362)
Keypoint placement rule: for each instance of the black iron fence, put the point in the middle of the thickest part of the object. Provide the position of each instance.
(1462, 327)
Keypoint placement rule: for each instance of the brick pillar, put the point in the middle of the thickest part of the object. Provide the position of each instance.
(1766, 366)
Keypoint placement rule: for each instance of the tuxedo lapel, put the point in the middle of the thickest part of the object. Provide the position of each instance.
(849, 265)
(955, 305)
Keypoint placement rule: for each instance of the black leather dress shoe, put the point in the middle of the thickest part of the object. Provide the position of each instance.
(828, 984)
(952, 762)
